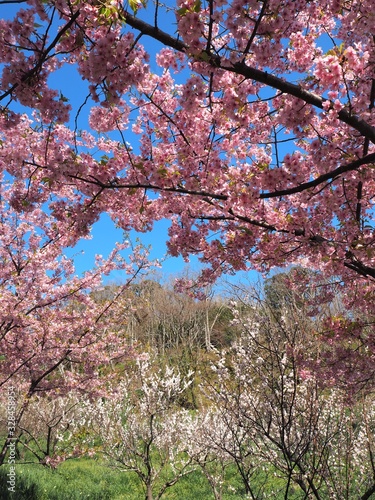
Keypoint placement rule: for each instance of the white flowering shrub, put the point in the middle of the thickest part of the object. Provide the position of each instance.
(273, 418)
(139, 428)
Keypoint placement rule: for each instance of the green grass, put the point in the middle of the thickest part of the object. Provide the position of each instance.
(73, 480)
(87, 478)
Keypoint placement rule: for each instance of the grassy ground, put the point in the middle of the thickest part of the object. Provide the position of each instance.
(88, 479)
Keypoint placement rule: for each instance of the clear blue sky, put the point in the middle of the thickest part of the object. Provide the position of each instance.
(104, 233)
(104, 237)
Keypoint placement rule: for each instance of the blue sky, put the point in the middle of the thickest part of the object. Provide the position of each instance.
(104, 233)
(104, 236)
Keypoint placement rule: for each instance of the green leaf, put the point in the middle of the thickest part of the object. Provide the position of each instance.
(197, 6)
(204, 56)
(162, 171)
(105, 12)
(104, 160)
(139, 166)
(289, 218)
(134, 5)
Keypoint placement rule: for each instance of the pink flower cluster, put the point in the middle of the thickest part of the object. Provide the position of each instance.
(168, 58)
(103, 119)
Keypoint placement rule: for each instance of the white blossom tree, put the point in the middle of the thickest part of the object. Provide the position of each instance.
(312, 438)
(139, 427)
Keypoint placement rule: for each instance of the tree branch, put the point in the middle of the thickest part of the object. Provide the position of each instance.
(38, 66)
(152, 187)
(240, 68)
(322, 178)
(360, 268)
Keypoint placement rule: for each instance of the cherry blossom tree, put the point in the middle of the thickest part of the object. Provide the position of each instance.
(54, 334)
(252, 128)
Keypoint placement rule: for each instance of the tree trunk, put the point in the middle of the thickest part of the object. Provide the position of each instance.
(148, 492)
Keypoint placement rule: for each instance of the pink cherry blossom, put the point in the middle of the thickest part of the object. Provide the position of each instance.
(250, 125)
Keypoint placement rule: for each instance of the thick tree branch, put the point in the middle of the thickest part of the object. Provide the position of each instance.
(250, 73)
(34, 383)
(154, 32)
(152, 187)
(360, 268)
(354, 165)
(275, 82)
(369, 493)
